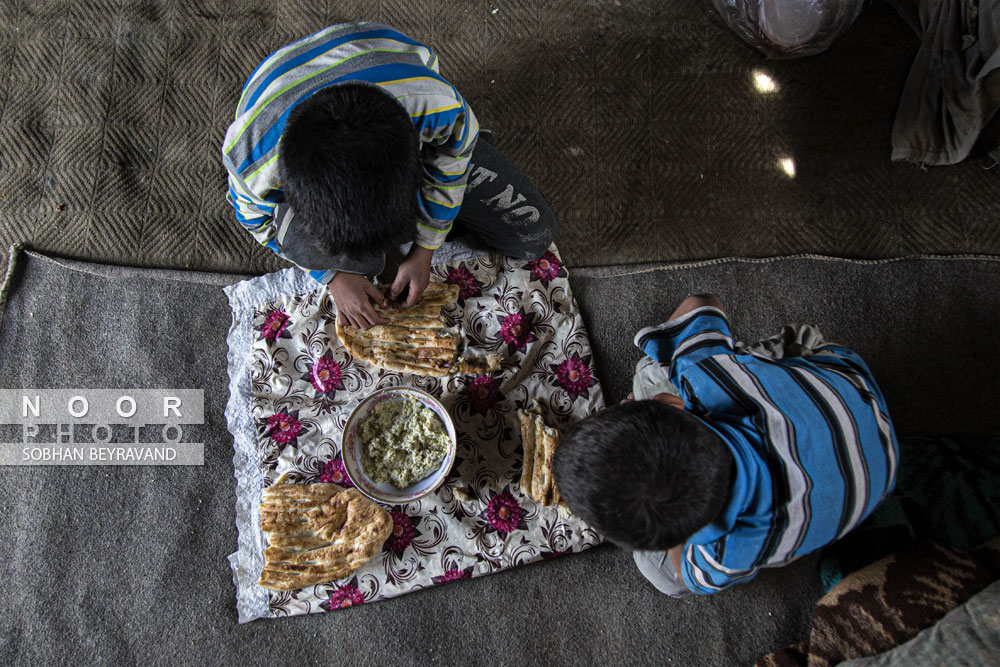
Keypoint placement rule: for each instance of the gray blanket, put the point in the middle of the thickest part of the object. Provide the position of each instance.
(119, 565)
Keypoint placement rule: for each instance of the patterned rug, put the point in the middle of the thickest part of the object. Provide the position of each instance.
(925, 551)
(293, 386)
(889, 602)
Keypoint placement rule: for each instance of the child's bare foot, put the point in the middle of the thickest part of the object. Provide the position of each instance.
(630, 397)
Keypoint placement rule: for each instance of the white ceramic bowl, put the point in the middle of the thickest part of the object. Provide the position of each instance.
(351, 445)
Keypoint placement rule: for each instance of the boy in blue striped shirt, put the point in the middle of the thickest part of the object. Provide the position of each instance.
(766, 453)
(349, 143)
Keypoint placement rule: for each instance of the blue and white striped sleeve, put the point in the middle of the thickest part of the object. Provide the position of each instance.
(703, 574)
(448, 132)
(262, 219)
(252, 212)
(684, 341)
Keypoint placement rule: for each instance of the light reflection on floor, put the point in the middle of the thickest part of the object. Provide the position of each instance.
(764, 83)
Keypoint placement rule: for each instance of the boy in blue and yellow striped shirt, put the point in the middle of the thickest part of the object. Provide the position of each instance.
(349, 142)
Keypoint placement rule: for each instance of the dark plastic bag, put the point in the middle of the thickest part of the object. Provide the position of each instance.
(789, 28)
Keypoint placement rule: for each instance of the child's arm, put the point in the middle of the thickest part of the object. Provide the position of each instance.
(262, 219)
(663, 342)
(694, 302)
(253, 213)
(696, 330)
(676, 555)
(448, 133)
(703, 573)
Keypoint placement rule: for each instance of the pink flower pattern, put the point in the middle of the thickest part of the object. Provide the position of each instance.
(516, 330)
(325, 375)
(334, 473)
(275, 326)
(504, 514)
(574, 375)
(483, 393)
(467, 283)
(453, 574)
(546, 268)
(347, 595)
(284, 427)
(403, 532)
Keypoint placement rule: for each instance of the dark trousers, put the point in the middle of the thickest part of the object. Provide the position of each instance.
(503, 208)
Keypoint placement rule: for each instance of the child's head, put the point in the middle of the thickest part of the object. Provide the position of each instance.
(644, 474)
(349, 160)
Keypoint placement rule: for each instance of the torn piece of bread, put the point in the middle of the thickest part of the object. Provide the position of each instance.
(478, 364)
(416, 340)
(541, 479)
(539, 443)
(317, 533)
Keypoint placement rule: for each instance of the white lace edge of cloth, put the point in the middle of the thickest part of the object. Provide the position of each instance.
(248, 560)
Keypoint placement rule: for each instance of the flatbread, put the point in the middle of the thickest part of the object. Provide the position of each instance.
(539, 442)
(539, 480)
(528, 444)
(417, 329)
(550, 440)
(317, 533)
(416, 340)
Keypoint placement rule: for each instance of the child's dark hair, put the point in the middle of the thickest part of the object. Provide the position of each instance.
(644, 474)
(349, 160)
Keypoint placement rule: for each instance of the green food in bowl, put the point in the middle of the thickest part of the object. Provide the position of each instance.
(402, 442)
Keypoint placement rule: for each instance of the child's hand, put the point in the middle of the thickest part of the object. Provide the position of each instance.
(415, 272)
(354, 294)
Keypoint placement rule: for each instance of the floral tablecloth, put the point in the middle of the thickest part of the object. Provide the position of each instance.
(292, 388)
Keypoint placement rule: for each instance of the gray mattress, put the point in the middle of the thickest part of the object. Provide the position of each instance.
(111, 565)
